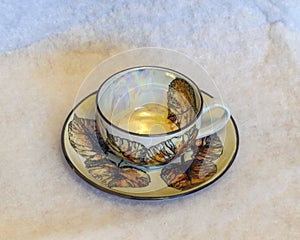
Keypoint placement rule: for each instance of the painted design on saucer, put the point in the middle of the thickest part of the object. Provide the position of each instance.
(86, 141)
(112, 175)
(89, 157)
(188, 174)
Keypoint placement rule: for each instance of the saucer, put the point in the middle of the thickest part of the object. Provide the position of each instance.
(89, 157)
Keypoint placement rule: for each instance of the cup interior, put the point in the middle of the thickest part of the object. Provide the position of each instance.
(144, 95)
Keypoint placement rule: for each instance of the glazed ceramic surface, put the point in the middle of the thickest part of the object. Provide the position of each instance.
(133, 127)
(88, 155)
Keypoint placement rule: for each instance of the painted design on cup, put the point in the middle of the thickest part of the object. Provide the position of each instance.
(159, 154)
(133, 151)
(149, 115)
(182, 106)
(166, 151)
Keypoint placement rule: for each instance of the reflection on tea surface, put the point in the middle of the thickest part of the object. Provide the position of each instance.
(150, 118)
(156, 118)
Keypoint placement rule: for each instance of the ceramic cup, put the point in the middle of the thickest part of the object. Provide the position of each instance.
(150, 116)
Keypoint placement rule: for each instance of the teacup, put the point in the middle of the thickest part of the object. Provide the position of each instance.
(150, 116)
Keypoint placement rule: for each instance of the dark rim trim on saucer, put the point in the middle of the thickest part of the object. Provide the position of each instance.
(73, 167)
(152, 135)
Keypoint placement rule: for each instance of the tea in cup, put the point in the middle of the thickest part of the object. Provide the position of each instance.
(150, 116)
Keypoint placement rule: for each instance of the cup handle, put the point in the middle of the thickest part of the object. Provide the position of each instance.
(215, 123)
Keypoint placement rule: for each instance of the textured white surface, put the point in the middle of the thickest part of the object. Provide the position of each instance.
(250, 48)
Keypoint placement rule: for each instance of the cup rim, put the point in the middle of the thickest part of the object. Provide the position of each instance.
(146, 134)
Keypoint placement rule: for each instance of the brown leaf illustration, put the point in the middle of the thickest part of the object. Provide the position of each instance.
(85, 138)
(135, 151)
(201, 171)
(186, 175)
(161, 153)
(86, 141)
(208, 148)
(165, 151)
(108, 173)
(181, 102)
(175, 175)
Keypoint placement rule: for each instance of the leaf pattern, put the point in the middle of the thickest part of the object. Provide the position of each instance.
(159, 154)
(182, 108)
(181, 102)
(86, 140)
(200, 168)
(208, 148)
(133, 151)
(108, 173)
(166, 151)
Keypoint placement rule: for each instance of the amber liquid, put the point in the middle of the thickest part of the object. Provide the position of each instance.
(150, 118)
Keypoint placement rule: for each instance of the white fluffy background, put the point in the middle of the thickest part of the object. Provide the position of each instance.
(250, 48)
